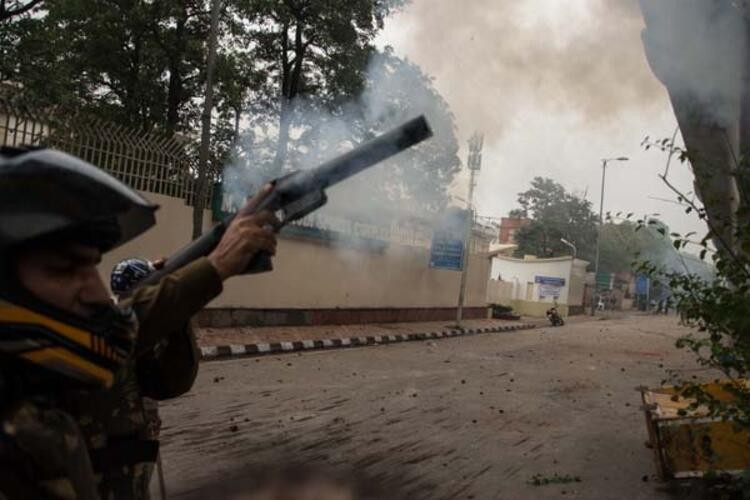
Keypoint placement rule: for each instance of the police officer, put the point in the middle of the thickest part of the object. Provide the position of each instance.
(73, 366)
(178, 353)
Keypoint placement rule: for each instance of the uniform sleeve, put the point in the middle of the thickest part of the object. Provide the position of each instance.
(167, 306)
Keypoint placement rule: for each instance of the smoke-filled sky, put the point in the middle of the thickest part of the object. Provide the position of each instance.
(555, 85)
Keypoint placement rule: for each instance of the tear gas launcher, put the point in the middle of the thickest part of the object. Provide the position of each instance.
(299, 193)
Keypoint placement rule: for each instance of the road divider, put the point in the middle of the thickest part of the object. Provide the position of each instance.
(215, 352)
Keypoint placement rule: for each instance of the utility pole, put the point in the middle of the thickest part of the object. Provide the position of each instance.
(199, 194)
(595, 294)
(473, 163)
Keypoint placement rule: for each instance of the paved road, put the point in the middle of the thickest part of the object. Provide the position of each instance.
(472, 417)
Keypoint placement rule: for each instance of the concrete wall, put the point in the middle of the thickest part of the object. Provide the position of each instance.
(538, 309)
(577, 282)
(500, 292)
(317, 274)
(519, 290)
(174, 226)
(522, 272)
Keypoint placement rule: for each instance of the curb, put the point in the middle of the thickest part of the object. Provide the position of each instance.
(211, 353)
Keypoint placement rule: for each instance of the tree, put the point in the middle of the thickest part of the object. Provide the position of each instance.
(414, 182)
(683, 42)
(311, 49)
(624, 243)
(201, 180)
(554, 214)
(12, 8)
(53, 79)
(180, 30)
(136, 63)
(290, 74)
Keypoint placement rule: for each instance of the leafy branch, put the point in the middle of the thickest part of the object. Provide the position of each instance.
(716, 309)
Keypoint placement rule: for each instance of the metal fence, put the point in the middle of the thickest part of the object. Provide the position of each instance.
(145, 161)
(158, 164)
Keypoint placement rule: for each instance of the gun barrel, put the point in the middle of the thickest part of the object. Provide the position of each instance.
(297, 185)
(374, 151)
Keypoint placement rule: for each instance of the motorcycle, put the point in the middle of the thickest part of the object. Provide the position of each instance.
(554, 317)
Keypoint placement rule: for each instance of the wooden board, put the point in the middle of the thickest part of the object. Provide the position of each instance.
(689, 443)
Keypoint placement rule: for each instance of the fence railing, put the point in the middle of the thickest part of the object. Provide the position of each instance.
(144, 160)
(153, 163)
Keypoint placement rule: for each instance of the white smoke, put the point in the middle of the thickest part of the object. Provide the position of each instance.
(698, 48)
(399, 188)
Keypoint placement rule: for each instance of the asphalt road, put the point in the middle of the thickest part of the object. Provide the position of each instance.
(475, 417)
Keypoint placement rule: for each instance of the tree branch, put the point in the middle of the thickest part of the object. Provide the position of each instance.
(7, 12)
(711, 227)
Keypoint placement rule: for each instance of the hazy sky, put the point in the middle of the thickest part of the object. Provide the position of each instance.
(555, 85)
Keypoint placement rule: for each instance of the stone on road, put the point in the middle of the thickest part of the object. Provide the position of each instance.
(472, 417)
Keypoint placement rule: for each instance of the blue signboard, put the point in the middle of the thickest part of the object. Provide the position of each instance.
(641, 284)
(547, 280)
(549, 286)
(447, 250)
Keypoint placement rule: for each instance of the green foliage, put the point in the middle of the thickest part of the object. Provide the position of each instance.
(717, 309)
(13, 8)
(631, 241)
(133, 63)
(316, 51)
(286, 73)
(557, 214)
(502, 312)
(620, 243)
(394, 90)
(554, 214)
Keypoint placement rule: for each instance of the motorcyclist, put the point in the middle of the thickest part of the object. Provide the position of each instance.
(554, 317)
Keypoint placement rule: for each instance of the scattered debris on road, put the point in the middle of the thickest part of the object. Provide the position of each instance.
(540, 480)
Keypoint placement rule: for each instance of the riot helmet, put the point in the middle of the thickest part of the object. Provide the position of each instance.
(128, 273)
(46, 197)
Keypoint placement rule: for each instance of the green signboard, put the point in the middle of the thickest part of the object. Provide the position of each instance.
(604, 281)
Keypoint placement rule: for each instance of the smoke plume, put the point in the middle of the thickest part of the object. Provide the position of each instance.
(698, 48)
(491, 57)
(413, 183)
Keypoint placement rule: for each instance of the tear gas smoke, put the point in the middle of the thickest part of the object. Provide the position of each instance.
(412, 184)
(698, 49)
(493, 57)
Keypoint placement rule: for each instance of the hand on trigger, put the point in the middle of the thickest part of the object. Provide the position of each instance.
(245, 236)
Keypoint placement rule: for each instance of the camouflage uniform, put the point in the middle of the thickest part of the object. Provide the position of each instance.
(58, 440)
(119, 436)
(43, 455)
(44, 452)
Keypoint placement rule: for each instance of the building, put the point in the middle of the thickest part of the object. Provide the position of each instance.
(532, 285)
(508, 228)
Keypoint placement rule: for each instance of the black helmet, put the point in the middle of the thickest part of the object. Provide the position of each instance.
(46, 196)
(128, 273)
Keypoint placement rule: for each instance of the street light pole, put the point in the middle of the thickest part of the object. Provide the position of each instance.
(599, 231)
(571, 245)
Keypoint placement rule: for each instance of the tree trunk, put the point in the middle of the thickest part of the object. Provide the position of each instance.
(237, 116)
(199, 201)
(134, 112)
(235, 152)
(290, 87)
(282, 145)
(175, 90)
